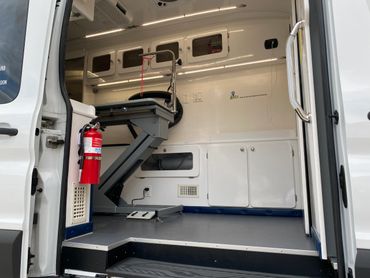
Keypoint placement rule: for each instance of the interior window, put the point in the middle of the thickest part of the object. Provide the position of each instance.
(207, 45)
(131, 58)
(164, 57)
(101, 63)
(13, 20)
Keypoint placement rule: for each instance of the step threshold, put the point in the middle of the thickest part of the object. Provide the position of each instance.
(141, 268)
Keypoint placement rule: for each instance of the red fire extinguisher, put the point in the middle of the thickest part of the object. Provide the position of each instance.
(90, 154)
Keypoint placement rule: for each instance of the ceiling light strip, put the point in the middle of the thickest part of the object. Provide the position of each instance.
(189, 15)
(104, 33)
(162, 21)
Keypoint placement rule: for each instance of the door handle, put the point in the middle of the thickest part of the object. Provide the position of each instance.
(8, 131)
(306, 117)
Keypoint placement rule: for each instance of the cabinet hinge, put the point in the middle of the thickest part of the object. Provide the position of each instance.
(206, 155)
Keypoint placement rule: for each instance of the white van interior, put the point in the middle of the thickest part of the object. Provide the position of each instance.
(206, 165)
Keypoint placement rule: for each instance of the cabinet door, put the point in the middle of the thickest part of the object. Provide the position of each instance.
(227, 175)
(271, 175)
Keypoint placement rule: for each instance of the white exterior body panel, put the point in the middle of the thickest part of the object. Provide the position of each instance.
(18, 153)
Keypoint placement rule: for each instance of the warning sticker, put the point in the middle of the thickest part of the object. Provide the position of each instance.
(92, 145)
(97, 142)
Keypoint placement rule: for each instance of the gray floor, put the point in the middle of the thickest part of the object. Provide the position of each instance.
(254, 233)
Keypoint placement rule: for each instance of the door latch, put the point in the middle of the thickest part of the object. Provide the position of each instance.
(53, 142)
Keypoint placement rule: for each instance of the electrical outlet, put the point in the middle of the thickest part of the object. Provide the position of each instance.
(148, 193)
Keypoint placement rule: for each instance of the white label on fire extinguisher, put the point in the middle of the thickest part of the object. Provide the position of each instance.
(92, 145)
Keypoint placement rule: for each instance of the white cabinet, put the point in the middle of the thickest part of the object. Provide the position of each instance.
(271, 175)
(258, 175)
(227, 175)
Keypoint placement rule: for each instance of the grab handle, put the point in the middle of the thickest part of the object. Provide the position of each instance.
(8, 131)
(306, 117)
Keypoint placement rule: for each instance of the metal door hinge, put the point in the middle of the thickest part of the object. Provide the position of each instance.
(335, 117)
(30, 257)
(53, 142)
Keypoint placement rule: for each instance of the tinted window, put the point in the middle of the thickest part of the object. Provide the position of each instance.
(207, 45)
(131, 58)
(101, 63)
(164, 57)
(13, 20)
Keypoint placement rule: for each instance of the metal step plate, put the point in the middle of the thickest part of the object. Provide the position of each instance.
(134, 268)
(141, 215)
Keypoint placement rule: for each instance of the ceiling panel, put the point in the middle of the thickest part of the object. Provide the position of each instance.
(107, 17)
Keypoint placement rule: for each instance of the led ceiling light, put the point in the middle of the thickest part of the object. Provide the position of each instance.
(189, 15)
(163, 20)
(251, 63)
(203, 12)
(104, 33)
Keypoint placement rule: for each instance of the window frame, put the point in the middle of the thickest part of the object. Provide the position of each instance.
(218, 55)
(154, 46)
(93, 75)
(119, 64)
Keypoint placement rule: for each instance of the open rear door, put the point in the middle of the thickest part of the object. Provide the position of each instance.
(336, 37)
(24, 45)
(302, 98)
